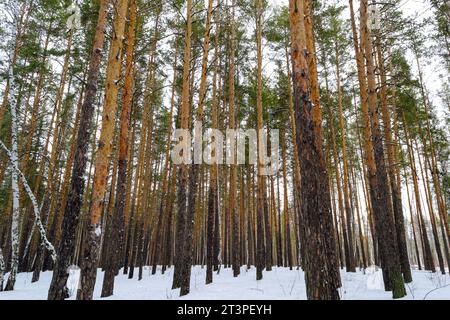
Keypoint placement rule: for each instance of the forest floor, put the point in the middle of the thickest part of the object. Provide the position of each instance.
(280, 283)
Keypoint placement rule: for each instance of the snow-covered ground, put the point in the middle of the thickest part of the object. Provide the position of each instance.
(280, 283)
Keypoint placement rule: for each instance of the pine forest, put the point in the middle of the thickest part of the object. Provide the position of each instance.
(224, 149)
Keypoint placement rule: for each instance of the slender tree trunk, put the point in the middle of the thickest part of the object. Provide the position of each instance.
(212, 198)
(433, 168)
(348, 249)
(169, 228)
(287, 225)
(18, 34)
(161, 225)
(55, 153)
(233, 173)
(426, 186)
(296, 164)
(427, 254)
(412, 221)
(394, 184)
(15, 233)
(2, 269)
(261, 189)
(350, 265)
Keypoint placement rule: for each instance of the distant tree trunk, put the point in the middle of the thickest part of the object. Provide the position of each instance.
(365, 184)
(243, 243)
(250, 226)
(261, 188)
(353, 190)
(426, 186)
(37, 96)
(427, 254)
(20, 27)
(144, 172)
(277, 218)
(333, 206)
(428, 166)
(287, 226)
(320, 259)
(56, 147)
(168, 191)
(164, 194)
(212, 197)
(296, 162)
(433, 166)
(349, 215)
(394, 184)
(233, 173)
(170, 218)
(348, 249)
(416, 246)
(128, 193)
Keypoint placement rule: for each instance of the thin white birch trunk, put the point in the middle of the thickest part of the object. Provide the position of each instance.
(14, 184)
(36, 209)
(2, 269)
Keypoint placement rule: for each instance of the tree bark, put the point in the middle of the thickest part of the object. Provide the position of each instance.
(181, 260)
(91, 252)
(118, 219)
(58, 289)
(320, 259)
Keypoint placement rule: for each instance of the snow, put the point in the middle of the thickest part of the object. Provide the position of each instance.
(278, 284)
(98, 231)
(74, 279)
(374, 279)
